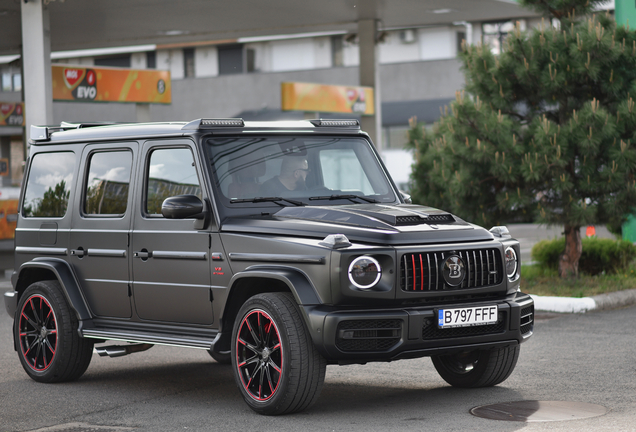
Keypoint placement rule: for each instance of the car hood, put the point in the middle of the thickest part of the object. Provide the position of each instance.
(369, 223)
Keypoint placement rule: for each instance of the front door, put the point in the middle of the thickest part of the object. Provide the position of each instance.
(171, 258)
(100, 228)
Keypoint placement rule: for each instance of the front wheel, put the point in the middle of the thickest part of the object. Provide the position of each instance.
(50, 348)
(275, 363)
(477, 368)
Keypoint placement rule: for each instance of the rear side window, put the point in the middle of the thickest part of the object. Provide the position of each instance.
(108, 183)
(49, 185)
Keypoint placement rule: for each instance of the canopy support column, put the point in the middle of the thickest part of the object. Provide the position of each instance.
(370, 77)
(36, 58)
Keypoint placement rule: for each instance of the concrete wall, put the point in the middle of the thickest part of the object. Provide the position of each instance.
(228, 95)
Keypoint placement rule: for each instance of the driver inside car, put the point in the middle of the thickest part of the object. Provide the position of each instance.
(293, 173)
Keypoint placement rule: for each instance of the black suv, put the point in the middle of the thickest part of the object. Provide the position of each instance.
(279, 247)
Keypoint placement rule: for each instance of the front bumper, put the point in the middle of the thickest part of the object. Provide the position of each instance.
(356, 335)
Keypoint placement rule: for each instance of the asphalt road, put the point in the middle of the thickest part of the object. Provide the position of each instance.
(583, 358)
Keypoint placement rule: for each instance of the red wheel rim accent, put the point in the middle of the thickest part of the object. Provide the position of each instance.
(259, 355)
(38, 333)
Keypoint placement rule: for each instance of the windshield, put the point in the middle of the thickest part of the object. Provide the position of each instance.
(294, 171)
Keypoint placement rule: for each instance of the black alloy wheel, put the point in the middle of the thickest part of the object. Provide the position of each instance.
(37, 332)
(49, 346)
(259, 355)
(276, 366)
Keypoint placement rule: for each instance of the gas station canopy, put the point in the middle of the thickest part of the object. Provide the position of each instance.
(81, 24)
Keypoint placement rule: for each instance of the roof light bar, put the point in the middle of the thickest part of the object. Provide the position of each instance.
(227, 122)
(336, 123)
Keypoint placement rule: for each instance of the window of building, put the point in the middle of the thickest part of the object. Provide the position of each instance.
(395, 137)
(188, 62)
(494, 34)
(17, 82)
(108, 183)
(171, 172)
(151, 60)
(337, 57)
(250, 58)
(49, 185)
(230, 59)
(7, 84)
(461, 36)
(122, 61)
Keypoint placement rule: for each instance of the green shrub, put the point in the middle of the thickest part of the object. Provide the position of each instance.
(611, 256)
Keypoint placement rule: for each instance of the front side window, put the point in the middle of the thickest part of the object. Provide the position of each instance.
(307, 170)
(108, 183)
(171, 172)
(49, 185)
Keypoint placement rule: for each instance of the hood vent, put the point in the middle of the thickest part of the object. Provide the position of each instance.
(430, 219)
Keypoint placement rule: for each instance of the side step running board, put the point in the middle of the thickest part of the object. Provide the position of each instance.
(187, 341)
(121, 350)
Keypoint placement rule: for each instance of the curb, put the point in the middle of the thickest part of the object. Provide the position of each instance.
(581, 305)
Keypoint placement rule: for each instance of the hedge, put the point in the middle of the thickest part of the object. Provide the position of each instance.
(611, 256)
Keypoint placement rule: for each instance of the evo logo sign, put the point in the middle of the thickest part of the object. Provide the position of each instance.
(11, 114)
(82, 83)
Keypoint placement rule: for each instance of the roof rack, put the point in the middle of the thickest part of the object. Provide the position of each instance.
(43, 133)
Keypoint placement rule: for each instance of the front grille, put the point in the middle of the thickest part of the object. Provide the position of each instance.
(431, 331)
(527, 319)
(368, 335)
(422, 271)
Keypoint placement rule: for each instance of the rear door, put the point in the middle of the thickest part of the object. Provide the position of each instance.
(99, 238)
(171, 258)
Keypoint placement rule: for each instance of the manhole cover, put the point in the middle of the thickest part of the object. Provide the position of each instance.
(538, 411)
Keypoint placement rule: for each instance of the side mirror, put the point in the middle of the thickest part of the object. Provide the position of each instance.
(182, 207)
(406, 197)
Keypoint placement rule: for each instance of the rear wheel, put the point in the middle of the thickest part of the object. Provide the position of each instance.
(477, 368)
(275, 363)
(50, 349)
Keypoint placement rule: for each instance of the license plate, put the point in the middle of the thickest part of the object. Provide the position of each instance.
(466, 317)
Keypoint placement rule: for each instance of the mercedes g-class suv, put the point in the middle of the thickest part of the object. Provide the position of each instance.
(279, 247)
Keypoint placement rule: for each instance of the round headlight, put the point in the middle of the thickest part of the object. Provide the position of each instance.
(364, 272)
(511, 262)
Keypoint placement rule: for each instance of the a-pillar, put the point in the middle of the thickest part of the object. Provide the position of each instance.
(370, 77)
(36, 58)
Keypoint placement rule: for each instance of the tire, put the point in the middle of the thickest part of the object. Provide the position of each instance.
(276, 366)
(477, 368)
(45, 328)
(222, 358)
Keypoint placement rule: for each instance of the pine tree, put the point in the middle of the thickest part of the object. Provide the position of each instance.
(545, 130)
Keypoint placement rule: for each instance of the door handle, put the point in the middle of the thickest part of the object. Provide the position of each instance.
(143, 254)
(78, 252)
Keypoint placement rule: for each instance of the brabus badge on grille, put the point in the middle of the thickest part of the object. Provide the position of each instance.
(453, 270)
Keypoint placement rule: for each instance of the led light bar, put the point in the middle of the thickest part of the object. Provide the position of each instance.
(227, 122)
(335, 123)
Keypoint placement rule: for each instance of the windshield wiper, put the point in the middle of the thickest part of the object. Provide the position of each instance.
(350, 197)
(268, 199)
